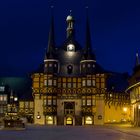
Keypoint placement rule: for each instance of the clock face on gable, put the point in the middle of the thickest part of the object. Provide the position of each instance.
(71, 48)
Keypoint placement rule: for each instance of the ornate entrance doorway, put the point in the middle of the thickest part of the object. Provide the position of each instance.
(69, 121)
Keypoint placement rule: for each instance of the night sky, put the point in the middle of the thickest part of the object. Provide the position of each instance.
(24, 27)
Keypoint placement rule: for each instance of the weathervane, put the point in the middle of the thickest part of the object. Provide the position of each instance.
(70, 12)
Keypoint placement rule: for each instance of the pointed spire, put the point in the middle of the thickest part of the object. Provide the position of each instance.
(51, 40)
(88, 36)
(88, 47)
(137, 59)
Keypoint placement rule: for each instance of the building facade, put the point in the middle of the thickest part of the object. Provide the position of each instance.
(71, 88)
(134, 91)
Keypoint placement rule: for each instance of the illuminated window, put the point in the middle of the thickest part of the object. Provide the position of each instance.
(84, 83)
(50, 82)
(5, 98)
(69, 79)
(74, 85)
(45, 82)
(97, 85)
(93, 82)
(49, 101)
(97, 80)
(54, 101)
(88, 82)
(79, 80)
(88, 101)
(102, 85)
(93, 102)
(83, 102)
(93, 66)
(2, 88)
(44, 102)
(69, 85)
(54, 82)
(69, 121)
(1, 98)
(74, 79)
(26, 104)
(64, 79)
(49, 120)
(102, 80)
(64, 85)
(88, 120)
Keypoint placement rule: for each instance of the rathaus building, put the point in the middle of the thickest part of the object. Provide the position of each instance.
(73, 89)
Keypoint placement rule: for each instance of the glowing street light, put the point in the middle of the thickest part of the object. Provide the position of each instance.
(38, 116)
(125, 109)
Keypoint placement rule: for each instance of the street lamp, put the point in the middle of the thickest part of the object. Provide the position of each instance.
(138, 106)
(125, 111)
(38, 116)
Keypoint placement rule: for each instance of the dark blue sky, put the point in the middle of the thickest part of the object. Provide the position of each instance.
(24, 27)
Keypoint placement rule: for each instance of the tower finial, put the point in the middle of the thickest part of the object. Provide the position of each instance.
(137, 58)
(52, 6)
(70, 25)
(70, 12)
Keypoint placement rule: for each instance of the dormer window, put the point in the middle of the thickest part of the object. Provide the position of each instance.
(71, 48)
(69, 69)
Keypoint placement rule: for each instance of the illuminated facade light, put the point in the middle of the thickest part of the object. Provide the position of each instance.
(71, 47)
(110, 95)
(88, 120)
(15, 99)
(125, 109)
(38, 116)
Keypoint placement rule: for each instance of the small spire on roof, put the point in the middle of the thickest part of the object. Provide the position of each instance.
(51, 40)
(137, 58)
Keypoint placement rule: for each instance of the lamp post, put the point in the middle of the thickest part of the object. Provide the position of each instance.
(124, 113)
(38, 116)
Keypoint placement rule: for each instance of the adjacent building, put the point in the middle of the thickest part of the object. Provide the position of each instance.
(134, 91)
